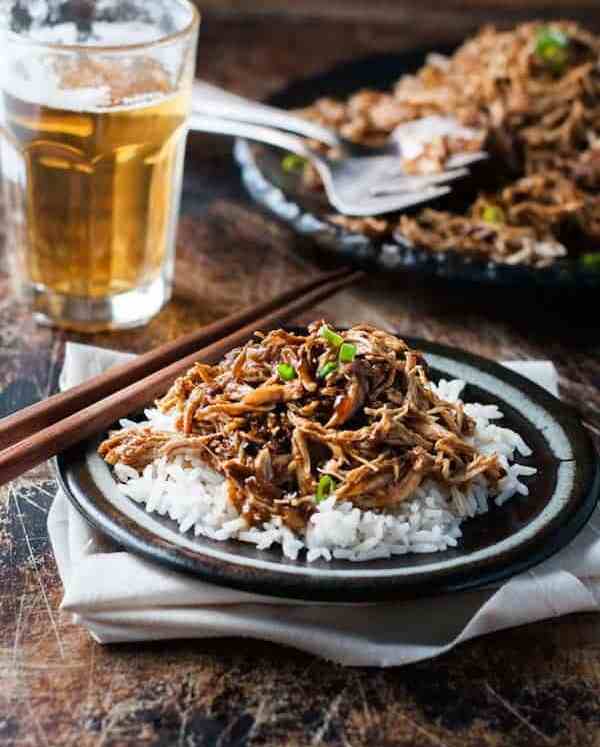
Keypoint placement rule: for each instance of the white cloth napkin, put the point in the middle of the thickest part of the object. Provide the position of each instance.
(120, 597)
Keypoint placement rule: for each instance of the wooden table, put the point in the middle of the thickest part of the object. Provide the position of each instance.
(536, 685)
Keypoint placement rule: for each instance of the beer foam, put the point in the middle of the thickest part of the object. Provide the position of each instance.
(36, 80)
(110, 81)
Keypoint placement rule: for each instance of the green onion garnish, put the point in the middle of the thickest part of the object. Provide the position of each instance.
(292, 162)
(552, 48)
(493, 214)
(286, 371)
(347, 352)
(332, 337)
(327, 369)
(325, 488)
(591, 261)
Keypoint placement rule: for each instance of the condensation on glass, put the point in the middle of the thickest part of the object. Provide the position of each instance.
(95, 101)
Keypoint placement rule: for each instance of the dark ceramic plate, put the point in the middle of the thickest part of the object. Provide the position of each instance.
(496, 545)
(283, 195)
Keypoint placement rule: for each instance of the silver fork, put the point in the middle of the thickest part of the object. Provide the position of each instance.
(212, 100)
(349, 182)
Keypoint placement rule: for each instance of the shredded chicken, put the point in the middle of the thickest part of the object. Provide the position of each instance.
(540, 123)
(372, 427)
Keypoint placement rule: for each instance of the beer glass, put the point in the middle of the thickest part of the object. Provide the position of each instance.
(95, 98)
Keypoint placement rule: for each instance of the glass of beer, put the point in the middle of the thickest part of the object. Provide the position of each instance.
(95, 98)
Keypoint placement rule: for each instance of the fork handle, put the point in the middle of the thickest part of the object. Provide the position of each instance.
(217, 102)
(258, 133)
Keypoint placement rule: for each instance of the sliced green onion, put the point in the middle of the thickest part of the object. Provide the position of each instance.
(327, 369)
(325, 488)
(552, 48)
(292, 162)
(591, 261)
(347, 352)
(286, 371)
(332, 337)
(493, 214)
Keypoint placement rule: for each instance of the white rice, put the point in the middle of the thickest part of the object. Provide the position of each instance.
(196, 498)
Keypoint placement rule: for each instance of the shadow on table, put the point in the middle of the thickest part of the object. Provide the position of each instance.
(565, 317)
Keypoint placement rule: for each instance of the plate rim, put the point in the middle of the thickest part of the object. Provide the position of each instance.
(556, 534)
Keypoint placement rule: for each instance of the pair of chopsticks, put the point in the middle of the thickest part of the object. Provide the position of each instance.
(36, 433)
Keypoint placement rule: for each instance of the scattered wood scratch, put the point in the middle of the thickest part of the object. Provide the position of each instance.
(366, 710)
(259, 716)
(422, 730)
(34, 504)
(91, 674)
(331, 712)
(37, 724)
(38, 575)
(519, 716)
(18, 630)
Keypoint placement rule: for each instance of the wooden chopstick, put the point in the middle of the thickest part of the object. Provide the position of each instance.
(20, 425)
(96, 417)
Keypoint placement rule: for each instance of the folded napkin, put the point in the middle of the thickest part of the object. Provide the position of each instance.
(118, 596)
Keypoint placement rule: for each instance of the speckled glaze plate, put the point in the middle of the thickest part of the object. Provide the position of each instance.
(494, 546)
(282, 194)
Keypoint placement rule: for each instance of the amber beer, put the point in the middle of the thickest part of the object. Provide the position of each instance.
(99, 190)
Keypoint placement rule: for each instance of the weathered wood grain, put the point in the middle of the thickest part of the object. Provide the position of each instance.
(536, 685)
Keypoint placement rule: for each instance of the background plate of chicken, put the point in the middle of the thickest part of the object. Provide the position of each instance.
(344, 465)
(529, 214)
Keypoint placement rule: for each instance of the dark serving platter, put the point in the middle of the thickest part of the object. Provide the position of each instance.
(494, 546)
(282, 194)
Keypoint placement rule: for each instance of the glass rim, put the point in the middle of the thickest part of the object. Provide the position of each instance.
(193, 24)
